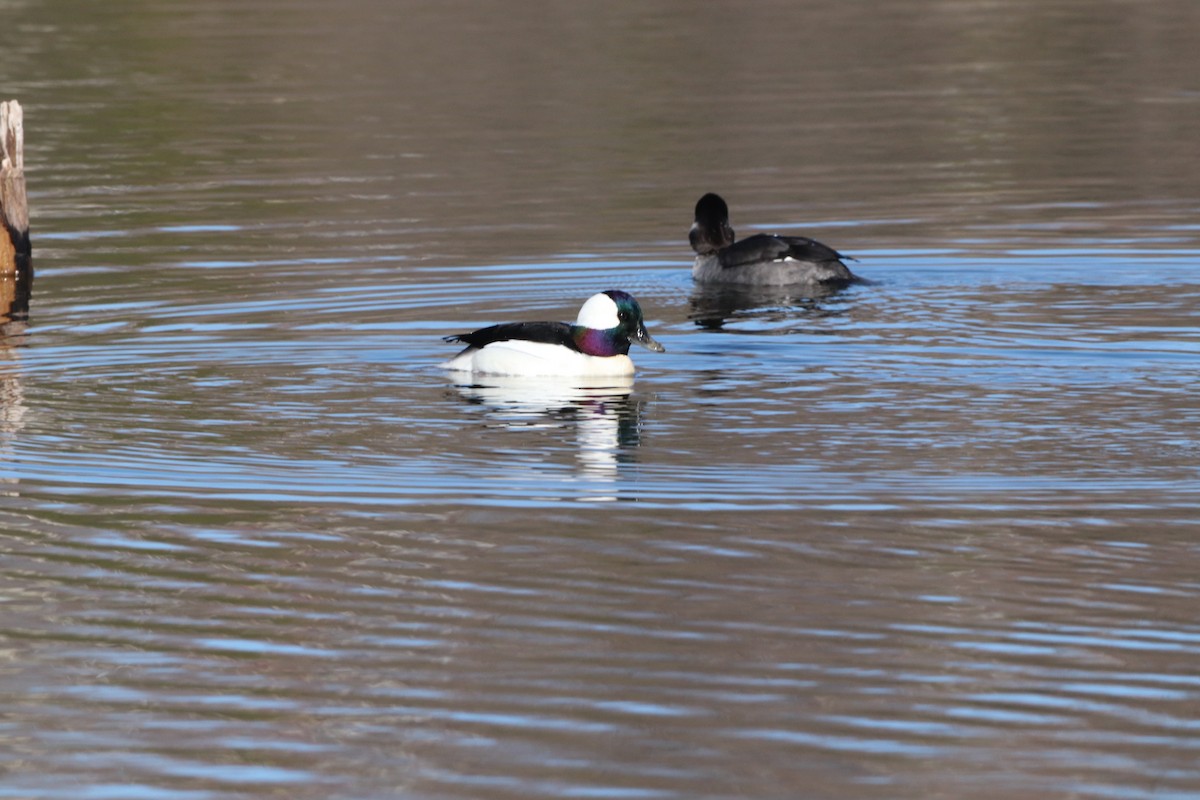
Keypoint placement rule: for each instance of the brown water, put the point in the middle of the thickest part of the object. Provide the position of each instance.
(935, 536)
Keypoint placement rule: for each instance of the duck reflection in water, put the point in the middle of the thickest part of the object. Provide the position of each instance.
(604, 414)
(713, 306)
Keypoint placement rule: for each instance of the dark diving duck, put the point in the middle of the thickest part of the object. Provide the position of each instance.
(762, 259)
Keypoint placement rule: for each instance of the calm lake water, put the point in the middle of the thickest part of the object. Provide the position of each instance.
(935, 536)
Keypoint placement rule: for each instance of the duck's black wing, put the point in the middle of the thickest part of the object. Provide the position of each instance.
(544, 332)
(764, 247)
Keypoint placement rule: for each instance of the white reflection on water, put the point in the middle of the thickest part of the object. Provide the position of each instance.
(603, 415)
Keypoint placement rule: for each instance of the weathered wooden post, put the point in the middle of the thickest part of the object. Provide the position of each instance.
(16, 253)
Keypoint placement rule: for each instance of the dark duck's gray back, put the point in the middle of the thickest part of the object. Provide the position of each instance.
(759, 260)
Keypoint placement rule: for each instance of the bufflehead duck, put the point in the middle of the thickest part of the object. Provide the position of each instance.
(597, 345)
(761, 259)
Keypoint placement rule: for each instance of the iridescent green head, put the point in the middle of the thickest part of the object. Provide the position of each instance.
(608, 322)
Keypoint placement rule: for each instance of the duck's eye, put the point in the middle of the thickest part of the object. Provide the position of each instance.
(623, 316)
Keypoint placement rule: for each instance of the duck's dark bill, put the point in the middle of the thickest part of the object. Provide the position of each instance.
(647, 341)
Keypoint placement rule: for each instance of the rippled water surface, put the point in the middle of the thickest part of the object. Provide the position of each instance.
(931, 536)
